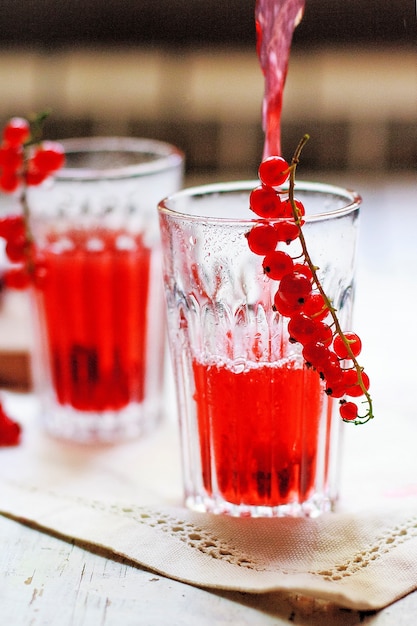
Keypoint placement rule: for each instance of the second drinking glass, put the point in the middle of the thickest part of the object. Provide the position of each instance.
(99, 336)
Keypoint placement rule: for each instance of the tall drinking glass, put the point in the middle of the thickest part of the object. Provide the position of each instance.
(259, 435)
(98, 305)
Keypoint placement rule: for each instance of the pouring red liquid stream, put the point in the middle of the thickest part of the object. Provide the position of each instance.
(275, 24)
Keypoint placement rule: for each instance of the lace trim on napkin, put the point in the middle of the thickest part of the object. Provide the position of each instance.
(186, 531)
(389, 540)
(210, 545)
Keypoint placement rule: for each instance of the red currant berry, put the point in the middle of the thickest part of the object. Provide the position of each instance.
(288, 210)
(332, 371)
(283, 308)
(286, 231)
(302, 268)
(9, 181)
(16, 249)
(340, 348)
(302, 328)
(353, 387)
(295, 288)
(323, 333)
(265, 202)
(11, 226)
(16, 131)
(336, 389)
(48, 157)
(262, 239)
(348, 411)
(35, 177)
(316, 307)
(17, 277)
(277, 264)
(316, 354)
(274, 171)
(11, 157)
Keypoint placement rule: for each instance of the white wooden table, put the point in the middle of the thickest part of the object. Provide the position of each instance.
(46, 581)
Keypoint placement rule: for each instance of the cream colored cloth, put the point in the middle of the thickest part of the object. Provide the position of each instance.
(127, 499)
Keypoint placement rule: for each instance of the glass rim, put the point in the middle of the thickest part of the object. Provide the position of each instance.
(353, 201)
(167, 156)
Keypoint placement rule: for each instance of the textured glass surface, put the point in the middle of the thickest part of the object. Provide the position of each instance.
(259, 435)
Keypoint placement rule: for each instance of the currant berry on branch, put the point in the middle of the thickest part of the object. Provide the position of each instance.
(295, 288)
(348, 411)
(355, 344)
(265, 202)
(274, 171)
(286, 231)
(277, 264)
(16, 132)
(262, 239)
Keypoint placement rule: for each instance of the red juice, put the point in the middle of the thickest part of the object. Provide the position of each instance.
(275, 24)
(259, 432)
(93, 301)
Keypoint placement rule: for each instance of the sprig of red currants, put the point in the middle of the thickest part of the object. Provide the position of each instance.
(313, 320)
(24, 161)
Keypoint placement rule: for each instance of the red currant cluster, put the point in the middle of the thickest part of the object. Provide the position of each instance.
(18, 165)
(300, 296)
(23, 162)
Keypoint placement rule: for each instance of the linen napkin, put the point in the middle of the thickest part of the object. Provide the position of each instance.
(127, 500)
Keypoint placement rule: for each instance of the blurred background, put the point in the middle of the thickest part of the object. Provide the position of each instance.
(186, 71)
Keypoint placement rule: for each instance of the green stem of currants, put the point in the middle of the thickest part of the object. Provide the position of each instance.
(361, 419)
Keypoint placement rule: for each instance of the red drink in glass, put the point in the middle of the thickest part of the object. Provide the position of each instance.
(260, 437)
(94, 300)
(99, 340)
(259, 431)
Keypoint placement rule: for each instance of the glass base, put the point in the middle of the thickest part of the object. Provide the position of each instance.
(104, 427)
(313, 507)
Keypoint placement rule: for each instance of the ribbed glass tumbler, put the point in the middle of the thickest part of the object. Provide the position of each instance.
(260, 437)
(98, 311)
